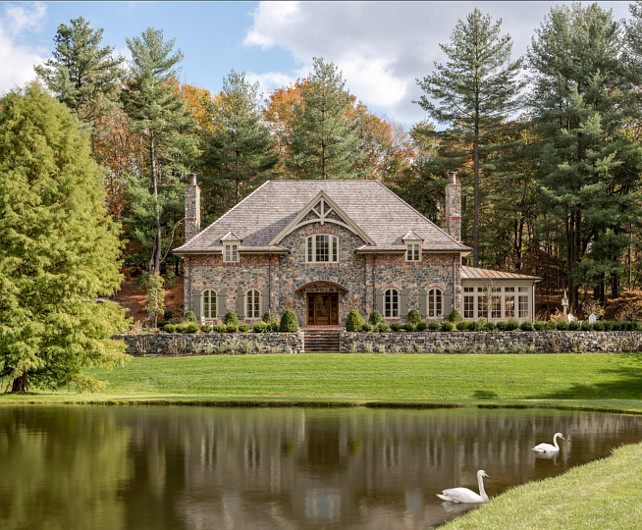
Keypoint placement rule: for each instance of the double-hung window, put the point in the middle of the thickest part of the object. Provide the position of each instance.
(413, 251)
(231, 252)
(391, 303)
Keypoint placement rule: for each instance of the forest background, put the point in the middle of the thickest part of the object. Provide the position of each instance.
(547, 146)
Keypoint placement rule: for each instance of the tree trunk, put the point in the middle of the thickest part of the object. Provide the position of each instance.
(21, 384)
(158, 250)
(476, 194)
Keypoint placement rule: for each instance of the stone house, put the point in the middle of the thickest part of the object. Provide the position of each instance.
(323, 248)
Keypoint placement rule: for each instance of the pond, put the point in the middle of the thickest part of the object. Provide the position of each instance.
(82, 467)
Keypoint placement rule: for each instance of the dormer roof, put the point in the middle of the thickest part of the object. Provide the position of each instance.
(231, 237)
(411, 236)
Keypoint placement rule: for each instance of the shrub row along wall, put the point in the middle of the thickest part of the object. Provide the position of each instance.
(492, 342)
(169, 344)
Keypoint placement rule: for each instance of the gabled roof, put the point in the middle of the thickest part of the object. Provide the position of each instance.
(411, 236)
(230, 236)
(371, 210)
(475, 273)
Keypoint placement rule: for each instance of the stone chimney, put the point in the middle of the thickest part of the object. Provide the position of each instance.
(192, 208)
(453, 206)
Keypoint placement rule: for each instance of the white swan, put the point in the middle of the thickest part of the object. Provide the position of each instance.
(548, 448)
(464, 495)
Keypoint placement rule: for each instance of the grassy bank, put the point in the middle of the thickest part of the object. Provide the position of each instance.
(599, 495)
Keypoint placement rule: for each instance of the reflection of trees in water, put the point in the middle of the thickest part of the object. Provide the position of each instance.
(194, 468)
(62, 468)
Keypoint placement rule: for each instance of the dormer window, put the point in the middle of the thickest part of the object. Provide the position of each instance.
(322, 248)
(413, 246)
(231, 252)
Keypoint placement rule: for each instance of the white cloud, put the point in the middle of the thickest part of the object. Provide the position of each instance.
(17, 59)
(382, 47)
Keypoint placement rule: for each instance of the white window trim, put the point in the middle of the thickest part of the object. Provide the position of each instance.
(410, 251)
(233, 248)
(210, 316)
(333, 241)
(502, 294)
(438, 313)
(392, 307)
(258, 305)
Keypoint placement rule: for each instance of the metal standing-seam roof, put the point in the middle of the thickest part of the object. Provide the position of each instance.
(376, 210)
(475, 273)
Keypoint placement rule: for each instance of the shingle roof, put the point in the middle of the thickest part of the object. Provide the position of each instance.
(475, 273)
(381, 214)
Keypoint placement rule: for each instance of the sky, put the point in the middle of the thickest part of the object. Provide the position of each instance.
(381, 48)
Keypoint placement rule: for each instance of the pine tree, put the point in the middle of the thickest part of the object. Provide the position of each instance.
(59, 252)
(239, 154)
(477, 88)
(325, 138)
(589, 168)
(159, 114)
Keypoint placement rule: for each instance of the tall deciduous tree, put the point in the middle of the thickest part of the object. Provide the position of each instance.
(239, 153)
(590, 168)
(58, 250)
(477, 87)
(325, 139)
(159, 114)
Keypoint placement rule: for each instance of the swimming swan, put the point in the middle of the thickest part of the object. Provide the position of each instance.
(548, 448)
(464, 495)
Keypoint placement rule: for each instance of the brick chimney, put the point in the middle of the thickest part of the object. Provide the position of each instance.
(192, 208)
(453, 206)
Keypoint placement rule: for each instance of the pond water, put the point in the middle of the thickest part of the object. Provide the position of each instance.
(203, 467)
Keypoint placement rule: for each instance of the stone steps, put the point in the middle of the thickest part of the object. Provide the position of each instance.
(321, 340)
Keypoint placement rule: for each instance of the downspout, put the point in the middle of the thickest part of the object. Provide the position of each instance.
(269, 282)
(533, 302)
(454, 280)
(189, 283)
(374, 289)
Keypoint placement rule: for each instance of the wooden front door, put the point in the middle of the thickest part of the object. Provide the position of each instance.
(323, 309)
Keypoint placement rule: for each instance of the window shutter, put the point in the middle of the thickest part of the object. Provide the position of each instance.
(240, 303)
(220, 303)
(448, 303)
(264, 302)
(423, 304)
(196, 305)
(379, 301)
(403, 303)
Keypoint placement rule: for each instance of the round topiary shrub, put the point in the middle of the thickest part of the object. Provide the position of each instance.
(354, 321)
(421, 326)
(273, 327)
(375, 318)
(382, 327)
(289, 322)
(562, 325)
(219, 328)
(586, 326)
(526, 326)
(574, 326)
(231, 328)
(231, 318)
(461, 326)
(550, 325)
(408, 326)
(169, 328)
(192, 327)
(447, 326)
(473, 326)
(366, 327)
(190, 316)
(433, 326)
(490, 326)
(413, 317)
(455, 316)
(260, 327)
(501, 326)
(395, 326)
(269, 317)
(206, 328)
(512, 324)
(539, 325)
(244, 328)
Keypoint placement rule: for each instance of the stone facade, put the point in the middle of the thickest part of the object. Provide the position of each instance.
(172, 344)
(492, 342)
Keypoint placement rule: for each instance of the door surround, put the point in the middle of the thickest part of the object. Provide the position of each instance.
(322, 309)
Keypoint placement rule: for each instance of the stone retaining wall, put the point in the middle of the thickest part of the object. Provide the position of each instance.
(171, 344)
(492, 342)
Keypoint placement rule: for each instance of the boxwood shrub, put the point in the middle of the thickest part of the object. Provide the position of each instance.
(354, 321)
(512, 324)
(501, 326)
(526, 326)
(375, 318)
(260, 327)
(244, 328)
(462, 326)
(231, 328)
(433, 326)
(413, 318)
(366, 326)
(219, 328)
(230, 318)
(395, 326)
(490, 326)
(447, 326)
(574, 326)
(408, 326)
(289, 322)
(473, 325)
(206, 328)
(421, 326)
(382, 327)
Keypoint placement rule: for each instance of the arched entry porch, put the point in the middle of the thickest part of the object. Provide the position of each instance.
(322, 301)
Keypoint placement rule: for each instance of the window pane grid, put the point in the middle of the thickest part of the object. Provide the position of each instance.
(252, 304)
(391, 303)
(322, 249)
(209, 304)
(435, 303)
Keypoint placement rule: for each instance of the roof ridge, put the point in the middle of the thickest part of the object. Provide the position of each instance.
(225, 214)
(418, 213)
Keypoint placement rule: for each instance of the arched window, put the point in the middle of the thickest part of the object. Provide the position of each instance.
(209, 303)
(391, 303)
(252, 303)
(322, 248)
(435, 303)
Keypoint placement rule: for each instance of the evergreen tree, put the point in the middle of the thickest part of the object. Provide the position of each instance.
(589, 167)
(159, 114)
(82, 74)
(239, 153)
(477, 88)
(325, 139)
(58, 250)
